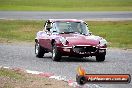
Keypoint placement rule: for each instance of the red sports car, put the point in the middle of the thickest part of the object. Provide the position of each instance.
(69, 37)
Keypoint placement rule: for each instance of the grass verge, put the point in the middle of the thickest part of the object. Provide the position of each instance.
(19, 30)
(16, 78)
(66, 5)
(118, 33)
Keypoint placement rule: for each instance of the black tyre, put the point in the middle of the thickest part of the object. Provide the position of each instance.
(39, 51)
(80, 57)
(56, 56)
(100, 57)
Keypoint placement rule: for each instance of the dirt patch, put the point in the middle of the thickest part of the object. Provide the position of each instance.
(19, 79)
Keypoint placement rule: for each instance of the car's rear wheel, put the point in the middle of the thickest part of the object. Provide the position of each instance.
(39, 51)
(100, 57)
(56, 56)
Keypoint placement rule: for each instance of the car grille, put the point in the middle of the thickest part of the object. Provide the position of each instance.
(84, 49)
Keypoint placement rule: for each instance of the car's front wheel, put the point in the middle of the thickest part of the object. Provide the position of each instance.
(39, 51)
(100, 57)
(56, 56)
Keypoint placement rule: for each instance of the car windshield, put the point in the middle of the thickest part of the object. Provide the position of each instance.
(72, 27)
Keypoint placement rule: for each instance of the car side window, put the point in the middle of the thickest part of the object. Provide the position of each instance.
(54, 28)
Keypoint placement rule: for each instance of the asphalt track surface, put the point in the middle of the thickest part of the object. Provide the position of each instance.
(91, 16)
(118, 61)
(18, 55)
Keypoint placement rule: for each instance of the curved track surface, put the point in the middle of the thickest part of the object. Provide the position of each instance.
(91, 16)
(117, 61)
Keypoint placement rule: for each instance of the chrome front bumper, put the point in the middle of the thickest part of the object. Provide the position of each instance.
(81, 50)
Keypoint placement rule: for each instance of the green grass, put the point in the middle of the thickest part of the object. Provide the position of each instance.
(19, 30)
(118, 34)
(66, 5)
(10, 73)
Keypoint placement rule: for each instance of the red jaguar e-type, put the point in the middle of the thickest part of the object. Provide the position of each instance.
(69, 37)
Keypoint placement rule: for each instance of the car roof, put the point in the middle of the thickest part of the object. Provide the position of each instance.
(65, 20)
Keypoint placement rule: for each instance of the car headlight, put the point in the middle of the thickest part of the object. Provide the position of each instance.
(102, 42)
(63, 41)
